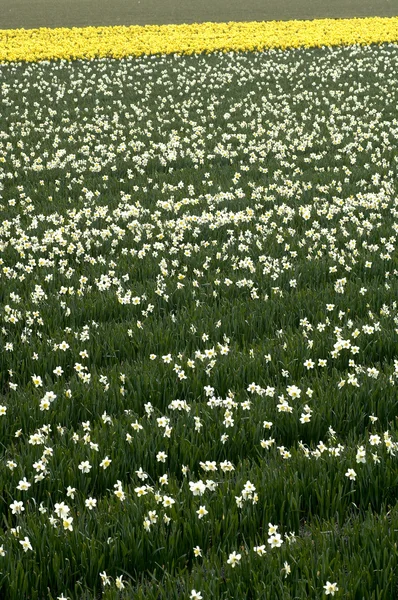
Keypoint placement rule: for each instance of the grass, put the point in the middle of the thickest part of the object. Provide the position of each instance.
(198, 306)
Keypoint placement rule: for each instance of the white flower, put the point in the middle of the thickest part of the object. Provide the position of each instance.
(119, 583)
(17, 507)
(164, 479)
(105, 462)
(351, 474)
(23, 485)
(195, 595)
(305, 418)
(167, 501)
(147, 524)
(67, 523)
(37, 380)
(293, 391)
(70, 492)
(234, 559)
(141, 474)
(85, 466)
(309, 364)
(26, 545)
(361, 455)
(267, 443)
(374, 440)
(211, 485)
(61, 509)
(275, 541)
(161, 456)
(330, 588)
(226, 466)
(197, 488)
(105, 579)
(90, 503)
(120, 494)
(201, 512)
(286, 569)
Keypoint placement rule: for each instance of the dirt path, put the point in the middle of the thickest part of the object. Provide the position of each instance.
(80, 13)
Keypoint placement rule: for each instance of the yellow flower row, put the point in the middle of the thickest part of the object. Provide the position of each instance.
(92, 42)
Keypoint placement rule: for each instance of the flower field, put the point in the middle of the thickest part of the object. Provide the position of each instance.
(199, 325)
(119, 41)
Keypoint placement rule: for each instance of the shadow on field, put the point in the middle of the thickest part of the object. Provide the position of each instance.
(80, 13)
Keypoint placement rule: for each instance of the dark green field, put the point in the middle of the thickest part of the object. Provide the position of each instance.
(80, 13)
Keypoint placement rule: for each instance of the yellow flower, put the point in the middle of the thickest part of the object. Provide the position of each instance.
(116, 42)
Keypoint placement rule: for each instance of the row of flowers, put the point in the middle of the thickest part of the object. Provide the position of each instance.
(117, 42)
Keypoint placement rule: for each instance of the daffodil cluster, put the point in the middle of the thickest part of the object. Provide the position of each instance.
(119, 41)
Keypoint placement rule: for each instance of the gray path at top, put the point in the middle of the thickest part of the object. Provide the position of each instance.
(81, 13)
